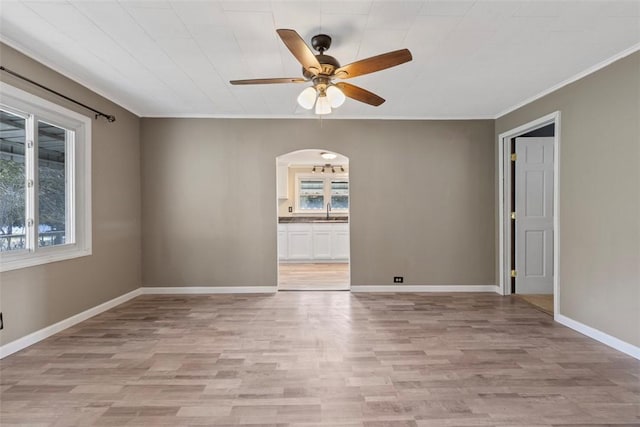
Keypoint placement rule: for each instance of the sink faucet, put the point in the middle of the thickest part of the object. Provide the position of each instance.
(328, 209)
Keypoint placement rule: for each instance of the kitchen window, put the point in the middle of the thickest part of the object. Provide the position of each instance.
(313, 192)
(45, 150)
(340, 194)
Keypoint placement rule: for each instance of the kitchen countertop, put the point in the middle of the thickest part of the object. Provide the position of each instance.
(303, 219)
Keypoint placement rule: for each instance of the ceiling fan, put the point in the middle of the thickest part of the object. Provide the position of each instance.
(321, 70)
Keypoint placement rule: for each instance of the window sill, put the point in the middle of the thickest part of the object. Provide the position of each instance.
(16, 262)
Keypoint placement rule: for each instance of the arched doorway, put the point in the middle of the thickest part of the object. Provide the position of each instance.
(313, 221)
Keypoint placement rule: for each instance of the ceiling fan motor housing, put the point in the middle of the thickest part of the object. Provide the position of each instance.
(328, 63)
(321, 43)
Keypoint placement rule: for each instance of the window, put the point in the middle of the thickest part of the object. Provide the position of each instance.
(45, 149)
(311, 194)
(340, 194)
(314, 192)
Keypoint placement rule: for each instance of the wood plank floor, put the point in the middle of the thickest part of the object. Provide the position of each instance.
(542, 302)
(308, 276)
(320, 358)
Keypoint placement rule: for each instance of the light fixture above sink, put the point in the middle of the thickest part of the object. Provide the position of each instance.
(327, 167)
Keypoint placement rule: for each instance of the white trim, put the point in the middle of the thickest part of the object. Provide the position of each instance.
(571, 79)
(504, 183)
(46, 332)
(598, 335)
(45, 256)
(314, 260)
(313, 288)
(556, 214)
(109, 97)
(425, 288)
(311, 116)
(204, 290)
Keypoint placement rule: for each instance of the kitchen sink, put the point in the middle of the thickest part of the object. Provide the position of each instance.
(303, 219)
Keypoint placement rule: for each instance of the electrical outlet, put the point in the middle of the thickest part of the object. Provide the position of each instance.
(290, 209)
(398, 279)
(1, 321)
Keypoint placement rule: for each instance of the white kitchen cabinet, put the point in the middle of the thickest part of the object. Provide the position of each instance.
(321, 241)
(340, 242)
(313, 242)
(283, 251)
(299, 242)
(282, 188)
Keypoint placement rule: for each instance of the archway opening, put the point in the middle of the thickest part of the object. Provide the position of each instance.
(313, 201)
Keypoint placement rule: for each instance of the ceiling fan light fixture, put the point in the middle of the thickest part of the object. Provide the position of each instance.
(335, 95)
(323, 106)
(322, 69)
(307, 98)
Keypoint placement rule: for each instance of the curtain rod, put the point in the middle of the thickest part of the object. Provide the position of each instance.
(110, 118)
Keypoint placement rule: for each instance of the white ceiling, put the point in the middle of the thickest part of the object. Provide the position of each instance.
(311, 157)
(472, 59)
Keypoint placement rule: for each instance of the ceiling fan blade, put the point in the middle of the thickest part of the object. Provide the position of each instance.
(374, 63)
(268, 81)
(359, 94)
(300, 50)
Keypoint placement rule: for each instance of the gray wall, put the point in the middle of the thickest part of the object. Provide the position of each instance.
(421, 199)
(33, 298)
(422, 206)
(599, 195)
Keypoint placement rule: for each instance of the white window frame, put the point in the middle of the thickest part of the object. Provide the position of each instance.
(78, 171)
(327, 178)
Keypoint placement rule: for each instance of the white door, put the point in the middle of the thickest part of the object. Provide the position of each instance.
(534, 216)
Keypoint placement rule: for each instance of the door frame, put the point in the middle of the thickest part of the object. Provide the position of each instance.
(504, 203)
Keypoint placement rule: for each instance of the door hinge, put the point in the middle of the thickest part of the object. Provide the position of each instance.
(513, 215)
(514, 157)
(514, 273)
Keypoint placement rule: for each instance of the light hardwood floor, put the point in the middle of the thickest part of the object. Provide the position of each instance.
(320, 358)
(541, 302)
(308, 276)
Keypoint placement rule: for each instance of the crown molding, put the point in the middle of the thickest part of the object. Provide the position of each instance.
(312, 117)
(633, 49)
(114, 99)
(23, 50)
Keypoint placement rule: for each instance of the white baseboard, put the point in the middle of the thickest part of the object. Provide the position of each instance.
(46, 332)
(313, 288)
(597, 335)
(209, 290)
(426, 288)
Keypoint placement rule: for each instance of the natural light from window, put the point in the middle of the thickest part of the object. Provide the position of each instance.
(45, 159)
